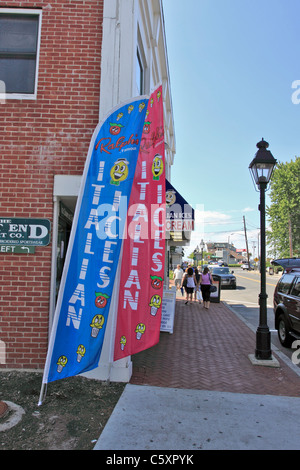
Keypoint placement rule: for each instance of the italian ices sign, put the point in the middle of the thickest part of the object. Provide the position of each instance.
(122, 160)
(142, 269)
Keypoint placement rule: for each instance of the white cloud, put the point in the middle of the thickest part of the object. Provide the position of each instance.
(207, 221)
(204, 221)
(210, 217)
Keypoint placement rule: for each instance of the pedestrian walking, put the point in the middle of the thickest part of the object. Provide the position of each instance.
(206, 281)
(189, 283)
(177, 276)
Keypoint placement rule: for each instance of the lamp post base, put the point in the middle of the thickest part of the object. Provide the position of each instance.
(263, 344)
(260, 362)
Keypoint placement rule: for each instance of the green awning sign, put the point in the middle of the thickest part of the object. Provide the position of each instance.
(24, 232)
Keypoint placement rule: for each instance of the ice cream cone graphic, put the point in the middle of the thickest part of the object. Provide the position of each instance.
(96, 325)
(61, 363)
(80, 352)
(140, 330)
(123, 342)
(155, 303)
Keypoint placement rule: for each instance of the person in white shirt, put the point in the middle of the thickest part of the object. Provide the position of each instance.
(178, 273)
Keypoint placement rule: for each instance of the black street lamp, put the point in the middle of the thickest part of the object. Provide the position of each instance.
(261, 169)
(196, 254)
(202, 245)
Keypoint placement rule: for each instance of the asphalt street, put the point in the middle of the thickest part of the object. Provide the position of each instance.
(197, 389)
(244, 301)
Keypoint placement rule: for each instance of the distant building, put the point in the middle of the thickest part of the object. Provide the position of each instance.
(226, 252)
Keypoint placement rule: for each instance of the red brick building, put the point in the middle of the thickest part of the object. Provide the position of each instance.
(60, 71)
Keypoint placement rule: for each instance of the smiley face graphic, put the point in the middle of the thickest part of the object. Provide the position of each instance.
(115, 128)
(147, 127)
(119, 171)
(157, 166)
(101, 300)
(170, 197)
(156, 282)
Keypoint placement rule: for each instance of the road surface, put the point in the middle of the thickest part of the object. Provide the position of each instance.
(244, 301)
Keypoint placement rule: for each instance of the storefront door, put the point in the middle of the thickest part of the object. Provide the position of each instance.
(64, 230)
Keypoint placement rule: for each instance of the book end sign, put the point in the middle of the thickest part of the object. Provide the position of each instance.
(20, 235)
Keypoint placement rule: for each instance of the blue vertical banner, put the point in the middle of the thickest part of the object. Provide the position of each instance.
(94, 248)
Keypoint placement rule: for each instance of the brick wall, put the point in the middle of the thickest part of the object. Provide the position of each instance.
(39, 139)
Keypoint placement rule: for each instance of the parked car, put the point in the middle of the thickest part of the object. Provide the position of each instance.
(227, 277)
(247, 266)
(222, 263)
(287, 302)
(287, 263)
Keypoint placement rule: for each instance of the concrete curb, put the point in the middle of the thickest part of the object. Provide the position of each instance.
(16, 413)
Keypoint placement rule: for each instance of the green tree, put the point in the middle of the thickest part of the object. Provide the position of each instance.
(284, 210)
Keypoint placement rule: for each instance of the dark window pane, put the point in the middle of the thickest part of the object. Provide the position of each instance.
(296, 288)
(18, 33)
(18, 75)
(139, 74)
(18, 48)
(285, 283)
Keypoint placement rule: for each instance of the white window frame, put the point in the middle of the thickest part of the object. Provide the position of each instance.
(21, 11)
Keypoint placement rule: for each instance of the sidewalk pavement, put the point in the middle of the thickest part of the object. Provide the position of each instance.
(197, 389)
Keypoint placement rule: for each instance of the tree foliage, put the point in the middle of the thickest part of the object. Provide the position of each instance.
(284, 210)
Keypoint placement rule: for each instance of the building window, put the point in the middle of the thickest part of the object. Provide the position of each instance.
(139, 73)
(19, 51)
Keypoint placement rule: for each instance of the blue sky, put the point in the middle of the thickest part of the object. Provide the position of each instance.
(232, 65)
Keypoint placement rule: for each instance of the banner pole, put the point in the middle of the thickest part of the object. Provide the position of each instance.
(42, 394)
(115, 304)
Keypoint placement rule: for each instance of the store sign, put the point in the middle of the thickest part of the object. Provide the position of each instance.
(180, 215)
(168, 311)
(24, 232)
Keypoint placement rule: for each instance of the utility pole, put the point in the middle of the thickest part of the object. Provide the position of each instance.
(246, 241)
(253, 248)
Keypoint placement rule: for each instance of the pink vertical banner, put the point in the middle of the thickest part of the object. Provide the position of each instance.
(142, 270)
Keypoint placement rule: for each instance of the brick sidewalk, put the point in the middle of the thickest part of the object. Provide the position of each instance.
(209, 351)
